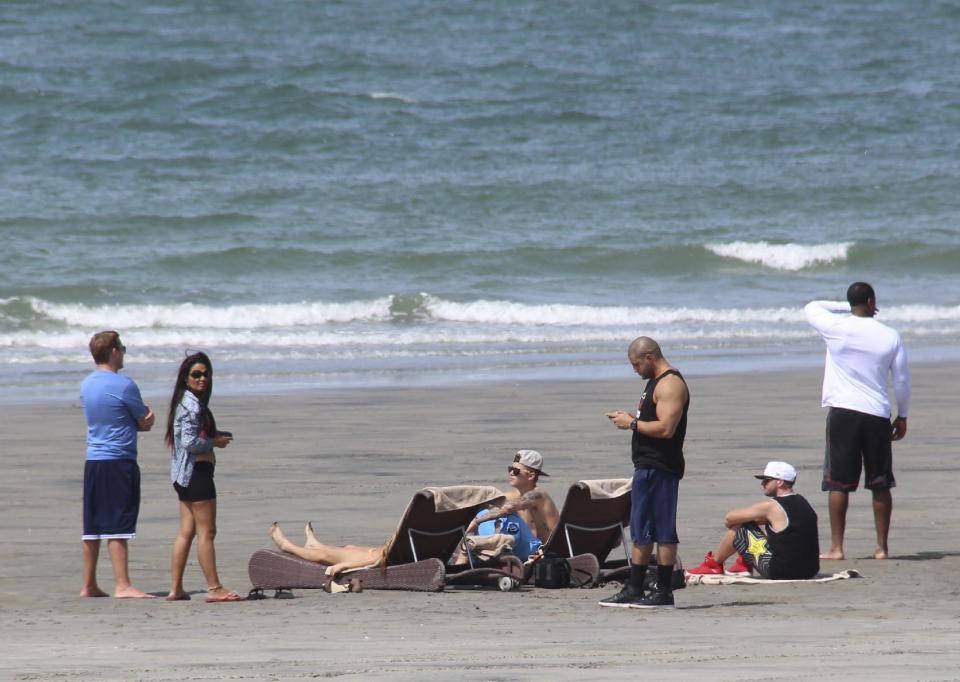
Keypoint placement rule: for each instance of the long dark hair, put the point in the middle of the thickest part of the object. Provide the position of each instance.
(210, 425)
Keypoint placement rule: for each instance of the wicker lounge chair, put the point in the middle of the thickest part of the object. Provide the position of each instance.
(270, 569)
(431, 528)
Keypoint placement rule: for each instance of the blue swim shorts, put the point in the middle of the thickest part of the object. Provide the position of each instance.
(511, 524)
(111, 499)
(653, 515)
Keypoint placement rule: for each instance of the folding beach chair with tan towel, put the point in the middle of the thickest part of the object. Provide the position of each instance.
(592, 523)
(430, 530)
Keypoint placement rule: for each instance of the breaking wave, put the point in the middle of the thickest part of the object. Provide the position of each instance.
(790, 257)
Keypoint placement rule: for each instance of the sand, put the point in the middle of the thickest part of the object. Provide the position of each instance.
(349, 460)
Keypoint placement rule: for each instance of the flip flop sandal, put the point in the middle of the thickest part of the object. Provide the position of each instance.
(229, 596)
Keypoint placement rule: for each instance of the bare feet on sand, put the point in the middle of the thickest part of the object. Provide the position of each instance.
(312, 540)
(93, 592)
(131, 592)
(880, 553)
(835, 554)
(178, 596)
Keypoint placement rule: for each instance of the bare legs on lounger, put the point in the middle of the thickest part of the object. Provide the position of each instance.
(338, 558)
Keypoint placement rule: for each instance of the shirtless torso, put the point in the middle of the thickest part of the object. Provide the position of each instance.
(536, 508)
(530, 502)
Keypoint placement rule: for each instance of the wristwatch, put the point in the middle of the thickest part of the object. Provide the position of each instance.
(633, 423)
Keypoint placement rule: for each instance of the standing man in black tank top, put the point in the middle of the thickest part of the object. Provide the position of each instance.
(658, 427)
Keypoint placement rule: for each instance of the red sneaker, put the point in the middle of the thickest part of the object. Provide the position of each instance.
(739, 567)
(710, 566)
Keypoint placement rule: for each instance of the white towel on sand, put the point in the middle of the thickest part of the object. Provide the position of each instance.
(748, 580)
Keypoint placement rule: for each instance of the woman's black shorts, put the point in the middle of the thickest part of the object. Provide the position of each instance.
(201, 484)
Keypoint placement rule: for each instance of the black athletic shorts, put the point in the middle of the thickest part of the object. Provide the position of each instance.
(751, 543)
(857, 440)
(201, 485)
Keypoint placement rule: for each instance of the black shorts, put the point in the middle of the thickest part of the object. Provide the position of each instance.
(752, 544)
(855, 440)
(111, 499)
(201, 487)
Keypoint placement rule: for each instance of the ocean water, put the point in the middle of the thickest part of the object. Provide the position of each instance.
(392, 193)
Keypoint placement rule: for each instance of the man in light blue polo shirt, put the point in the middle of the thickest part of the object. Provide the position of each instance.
(111, 477)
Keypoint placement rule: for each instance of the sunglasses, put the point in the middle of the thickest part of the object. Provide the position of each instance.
(514, 471)
(197, 374)
(121, 348)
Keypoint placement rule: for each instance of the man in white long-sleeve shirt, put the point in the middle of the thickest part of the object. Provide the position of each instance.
(861, 353)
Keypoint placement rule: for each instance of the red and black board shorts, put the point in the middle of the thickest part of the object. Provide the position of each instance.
(857, 441)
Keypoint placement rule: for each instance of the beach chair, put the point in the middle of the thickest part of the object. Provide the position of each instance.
(429, 531)
(270, 569)
(592, 523)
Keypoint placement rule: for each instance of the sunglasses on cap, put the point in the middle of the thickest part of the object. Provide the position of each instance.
(197, 374)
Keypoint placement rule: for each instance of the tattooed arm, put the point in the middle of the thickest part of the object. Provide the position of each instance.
(529, 500)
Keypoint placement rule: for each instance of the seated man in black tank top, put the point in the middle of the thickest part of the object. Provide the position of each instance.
(787, 547)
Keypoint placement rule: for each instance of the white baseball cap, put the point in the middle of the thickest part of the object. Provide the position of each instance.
(530, 459)
(781, 470)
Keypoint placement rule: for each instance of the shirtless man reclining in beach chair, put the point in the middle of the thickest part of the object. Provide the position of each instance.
(529, 513)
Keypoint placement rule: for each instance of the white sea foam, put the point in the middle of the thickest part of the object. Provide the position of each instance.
(919, 313)
(509, 312)
(322, 323)
(155, 344)
(394, 346)
(189, 315)
(393, 96)
(783, 256)
(68, 351)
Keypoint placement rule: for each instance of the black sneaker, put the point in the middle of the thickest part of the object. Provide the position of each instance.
(623, 599)
(654, 600)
